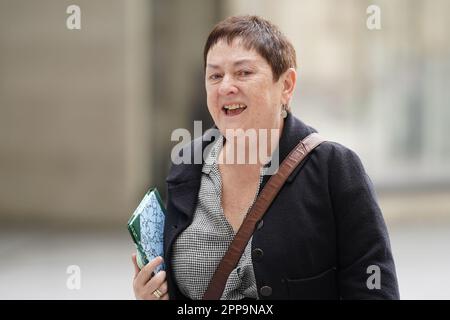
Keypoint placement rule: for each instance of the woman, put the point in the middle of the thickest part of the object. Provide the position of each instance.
(323, 237)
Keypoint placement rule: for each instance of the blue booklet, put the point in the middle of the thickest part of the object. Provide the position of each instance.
(146, 227)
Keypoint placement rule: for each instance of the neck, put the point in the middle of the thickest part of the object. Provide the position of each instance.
(253, 147)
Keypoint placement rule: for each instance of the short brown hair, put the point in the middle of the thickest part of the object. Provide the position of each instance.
(259, 34)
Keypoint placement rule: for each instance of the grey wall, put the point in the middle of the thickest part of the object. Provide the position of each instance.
(62, 104)
(86, 115)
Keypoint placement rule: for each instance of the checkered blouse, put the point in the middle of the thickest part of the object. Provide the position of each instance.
(200, 247)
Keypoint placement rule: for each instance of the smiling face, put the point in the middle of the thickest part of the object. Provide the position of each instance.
(241, 91)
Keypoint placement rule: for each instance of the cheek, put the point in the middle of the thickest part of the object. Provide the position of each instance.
(265, 93)
(211, 99)
(267, 106)
(265, 100)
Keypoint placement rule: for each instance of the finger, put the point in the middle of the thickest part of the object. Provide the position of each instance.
(136, 268)
(156, 282)
(165, 297)
(146, 272)
(163, 288)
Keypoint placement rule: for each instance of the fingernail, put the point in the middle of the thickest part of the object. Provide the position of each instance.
(161, 273)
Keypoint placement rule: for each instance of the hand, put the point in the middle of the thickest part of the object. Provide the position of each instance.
(145, 283)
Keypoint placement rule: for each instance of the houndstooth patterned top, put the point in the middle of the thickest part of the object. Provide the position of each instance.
(200, 247)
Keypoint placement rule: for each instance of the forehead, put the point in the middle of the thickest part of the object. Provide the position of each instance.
(235, 53)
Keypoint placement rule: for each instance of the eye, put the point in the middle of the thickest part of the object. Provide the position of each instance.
(243, 73)
(215, 76)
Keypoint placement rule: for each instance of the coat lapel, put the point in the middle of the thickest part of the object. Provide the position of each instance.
(183, 182)
(294, 130)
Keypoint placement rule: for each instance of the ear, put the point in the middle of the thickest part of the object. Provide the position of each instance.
(289, 80)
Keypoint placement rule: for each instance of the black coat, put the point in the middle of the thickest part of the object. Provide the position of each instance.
(320, 235)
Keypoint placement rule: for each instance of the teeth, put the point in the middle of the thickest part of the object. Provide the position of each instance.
(234, 106)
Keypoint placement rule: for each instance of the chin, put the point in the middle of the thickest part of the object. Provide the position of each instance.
(233, 126)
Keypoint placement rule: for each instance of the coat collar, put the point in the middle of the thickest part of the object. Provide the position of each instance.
(294, 130)
(184, 179)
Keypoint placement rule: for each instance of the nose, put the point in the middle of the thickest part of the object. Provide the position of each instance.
(227, 86)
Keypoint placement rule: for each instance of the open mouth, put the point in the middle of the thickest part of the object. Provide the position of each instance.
(232, 110)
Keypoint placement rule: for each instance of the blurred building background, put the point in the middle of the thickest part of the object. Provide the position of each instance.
(86, 117)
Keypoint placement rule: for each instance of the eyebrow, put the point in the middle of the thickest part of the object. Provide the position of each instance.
(236, 63)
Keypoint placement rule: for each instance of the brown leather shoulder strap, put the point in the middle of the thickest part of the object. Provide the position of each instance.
(262, 203)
